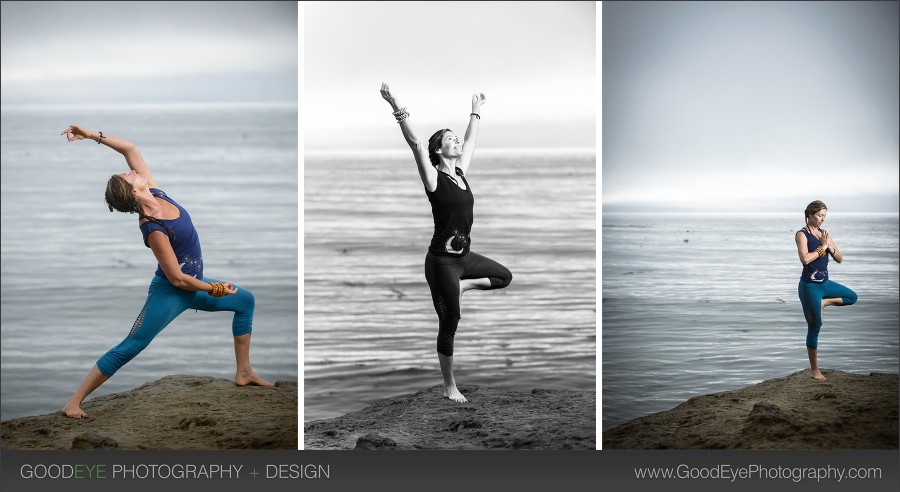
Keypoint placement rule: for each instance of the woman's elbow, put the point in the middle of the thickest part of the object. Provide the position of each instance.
(128, 147)
(178, 281)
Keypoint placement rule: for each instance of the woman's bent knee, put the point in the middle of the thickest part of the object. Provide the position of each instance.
(502, 280)
(246, 299)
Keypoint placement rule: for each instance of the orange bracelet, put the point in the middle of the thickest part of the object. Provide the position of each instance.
(218, 289)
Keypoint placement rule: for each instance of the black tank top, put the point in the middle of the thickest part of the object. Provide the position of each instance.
(451, 207)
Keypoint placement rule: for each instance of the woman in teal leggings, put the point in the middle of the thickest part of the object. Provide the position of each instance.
(816, 291)
(178, 284)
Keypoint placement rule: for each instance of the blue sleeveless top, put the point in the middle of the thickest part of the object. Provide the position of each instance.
(815, 271)
(186, 243)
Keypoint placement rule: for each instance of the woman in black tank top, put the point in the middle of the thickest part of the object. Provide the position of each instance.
(450, 267)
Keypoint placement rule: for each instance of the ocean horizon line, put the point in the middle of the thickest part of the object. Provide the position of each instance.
(148, 106)
(489, 151)
(744, 213)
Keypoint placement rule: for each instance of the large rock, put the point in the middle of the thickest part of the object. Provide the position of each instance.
(847, 411)
(491, 419)
(175, 412)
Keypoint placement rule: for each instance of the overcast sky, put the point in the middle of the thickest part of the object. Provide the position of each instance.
(535, 62)
(148, 52)
(750, 105)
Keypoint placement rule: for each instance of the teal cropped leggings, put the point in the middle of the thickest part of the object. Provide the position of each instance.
(164, 303)
(811, 295)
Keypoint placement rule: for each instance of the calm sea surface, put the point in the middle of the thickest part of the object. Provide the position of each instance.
(696, 304)
(75, 276)
(369, 323)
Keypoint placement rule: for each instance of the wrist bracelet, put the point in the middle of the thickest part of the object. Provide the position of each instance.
(99, 138)
(401, 114)
(218, 289)
(476, 115)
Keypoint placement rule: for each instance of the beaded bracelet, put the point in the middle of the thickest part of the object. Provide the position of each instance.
(401, 114)
(218, 289)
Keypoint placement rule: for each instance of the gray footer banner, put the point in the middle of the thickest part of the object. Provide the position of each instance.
(471, 471)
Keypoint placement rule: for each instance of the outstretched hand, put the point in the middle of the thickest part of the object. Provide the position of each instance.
(477, 100)
(75, 132)
(386, 94)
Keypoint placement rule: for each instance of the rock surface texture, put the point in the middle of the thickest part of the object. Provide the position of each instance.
(847, 411)
(491, 419)
(175, 412)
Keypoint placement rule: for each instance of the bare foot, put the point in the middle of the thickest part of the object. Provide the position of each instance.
(73, 410)
(249, 378)
(454, 395)
(818, 376)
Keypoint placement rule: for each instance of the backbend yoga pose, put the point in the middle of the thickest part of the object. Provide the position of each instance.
(450, 268)
(814, 244)
(179, 283)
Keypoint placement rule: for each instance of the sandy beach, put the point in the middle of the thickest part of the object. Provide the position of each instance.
(847, 411)
(174, 412)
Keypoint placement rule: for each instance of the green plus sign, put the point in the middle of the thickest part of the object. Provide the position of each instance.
(254, 473)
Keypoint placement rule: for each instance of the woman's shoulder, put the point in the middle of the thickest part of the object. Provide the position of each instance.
(162, 194)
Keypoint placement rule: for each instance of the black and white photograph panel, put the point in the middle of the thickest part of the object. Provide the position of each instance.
(149, 179)
(750, 225)
(450, 225)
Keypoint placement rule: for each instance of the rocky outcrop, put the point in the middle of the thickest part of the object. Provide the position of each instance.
(491, 419)
(847, 411)
(175, 412)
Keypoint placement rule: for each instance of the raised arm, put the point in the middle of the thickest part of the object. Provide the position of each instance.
(419, 148)
(132, 156)
(468, 147)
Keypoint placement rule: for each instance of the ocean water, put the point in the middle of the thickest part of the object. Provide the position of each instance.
(75, 276)
(696, 304)
(369, 323)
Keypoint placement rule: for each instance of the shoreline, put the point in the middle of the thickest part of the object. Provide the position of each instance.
(847, 411)
(173, 412)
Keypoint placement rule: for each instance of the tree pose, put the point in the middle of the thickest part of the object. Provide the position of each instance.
(816, 291)
(450, 267)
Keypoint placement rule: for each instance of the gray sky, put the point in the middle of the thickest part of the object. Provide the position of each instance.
(535, 62)
(148, 52)
(750, 105)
